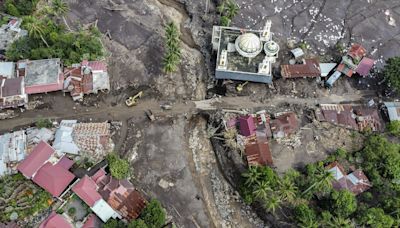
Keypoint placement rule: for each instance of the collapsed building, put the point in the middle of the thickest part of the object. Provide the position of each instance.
(354, 117)
(86, 78)
(10, 31)
(243, 54)
(91, 140)
(353, 62)
(255, 131)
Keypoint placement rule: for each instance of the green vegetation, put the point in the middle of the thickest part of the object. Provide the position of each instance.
(47, 39)
(153, 216)
(228, 9)
(119, 168)
(4, 20)
(307, 196)
(43, 123)
(392, 72)
(20, 195)
(394, 128)
(19, 7)
(173, 50)
(71, 211)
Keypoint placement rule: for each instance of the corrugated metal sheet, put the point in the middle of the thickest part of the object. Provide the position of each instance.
(393, 110)
(310, 69)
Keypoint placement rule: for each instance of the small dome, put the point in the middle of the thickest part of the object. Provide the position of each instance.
(271, 48)
(248, 45)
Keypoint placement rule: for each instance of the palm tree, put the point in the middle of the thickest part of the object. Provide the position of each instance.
(60, 8)
(35, 28)
(262, 190)
(232, 9)
(322, 183)
(221, 8)
(287, 190)
(252, 176)
(272, 203)
(341, 222)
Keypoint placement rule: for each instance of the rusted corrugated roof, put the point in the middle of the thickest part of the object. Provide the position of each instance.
(357, 51)
(310, 69)
(284, 124)
(350, 116)
(258, 152)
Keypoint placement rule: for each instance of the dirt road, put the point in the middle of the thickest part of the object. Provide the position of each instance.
(123, 113)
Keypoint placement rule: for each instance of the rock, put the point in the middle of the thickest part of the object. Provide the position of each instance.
(14, 216)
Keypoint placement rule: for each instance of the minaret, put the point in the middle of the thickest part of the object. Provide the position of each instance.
(266, 32)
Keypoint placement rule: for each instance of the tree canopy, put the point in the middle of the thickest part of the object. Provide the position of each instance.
(392, 72)
(153, 215)
(119, 168)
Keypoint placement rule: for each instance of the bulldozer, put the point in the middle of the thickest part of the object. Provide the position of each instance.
(131, 101)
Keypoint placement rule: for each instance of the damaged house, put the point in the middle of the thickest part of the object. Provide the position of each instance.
(12, 93)
(354, 117)
(10, 31)
(355, 182)
(86, 78)
(92, 140)
(284, 124)
(353, 62)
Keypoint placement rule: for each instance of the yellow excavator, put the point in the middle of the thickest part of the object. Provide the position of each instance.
(131, 101)
(239, 87)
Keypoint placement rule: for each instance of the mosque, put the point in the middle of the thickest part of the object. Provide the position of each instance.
(244, 55)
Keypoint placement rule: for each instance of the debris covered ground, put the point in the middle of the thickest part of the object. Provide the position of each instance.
(167, 158)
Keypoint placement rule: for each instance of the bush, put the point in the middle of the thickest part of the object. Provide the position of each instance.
(138, 223)
(394, 128)
(343, 203)
(20, 7)
(44, 123)
(119, 168)
(392, 72)
(71, 211)
(153, 215)
(70, 47)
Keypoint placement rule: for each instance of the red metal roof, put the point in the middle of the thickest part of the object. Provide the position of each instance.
(65, 162)
(55, 221)
(54, 178)
(99, 175)
(39, 155)
(365, 66)
(247, 126)
(98, 65)
(46, 88)
(86, 190)
(309, 69)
